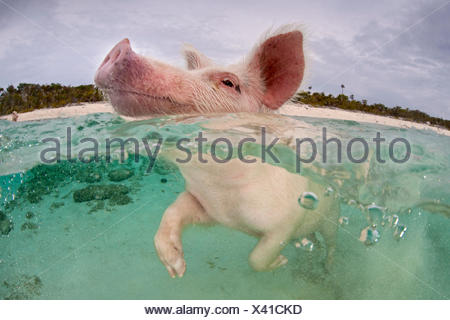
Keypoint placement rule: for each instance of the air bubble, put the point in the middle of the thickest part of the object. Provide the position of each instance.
(343, 221)
(307, 245)
(389, 220)
(329, 191)
(369, 235)
(308, 200)
(400, 231)
(385, 220)
(376, 213)
(394, 220)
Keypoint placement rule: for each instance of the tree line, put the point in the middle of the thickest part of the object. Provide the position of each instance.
(28, 97)
(345, 102)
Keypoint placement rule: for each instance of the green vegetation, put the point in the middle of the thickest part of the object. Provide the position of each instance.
(348, 103)
(28, 97)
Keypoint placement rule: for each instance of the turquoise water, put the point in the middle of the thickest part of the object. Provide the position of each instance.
(59, 244)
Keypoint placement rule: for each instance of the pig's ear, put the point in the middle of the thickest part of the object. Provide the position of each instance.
(194, 58)
(280, 64)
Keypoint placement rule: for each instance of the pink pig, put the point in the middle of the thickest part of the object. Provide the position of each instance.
(257, 198)
(139, 86)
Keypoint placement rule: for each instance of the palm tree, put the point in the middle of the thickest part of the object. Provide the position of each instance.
(342, 87)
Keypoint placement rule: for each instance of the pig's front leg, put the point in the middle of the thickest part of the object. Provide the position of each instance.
(266, 254)
(184, 211)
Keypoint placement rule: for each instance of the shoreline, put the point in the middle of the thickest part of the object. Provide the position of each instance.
(291, 109)
(305, 110)
(63, 112)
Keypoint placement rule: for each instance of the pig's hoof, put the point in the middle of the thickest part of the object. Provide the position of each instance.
(259, 265)
(279, 262)
(171, 255)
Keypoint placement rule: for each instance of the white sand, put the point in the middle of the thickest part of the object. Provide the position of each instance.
(288, 109)
(332, 113)
(64, 112)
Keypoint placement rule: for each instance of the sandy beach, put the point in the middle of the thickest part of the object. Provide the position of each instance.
(288, 109)
(64, 112)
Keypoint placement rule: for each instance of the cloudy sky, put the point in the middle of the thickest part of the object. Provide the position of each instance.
(396, 52)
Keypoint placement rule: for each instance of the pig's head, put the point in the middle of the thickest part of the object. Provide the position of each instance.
(139, 86)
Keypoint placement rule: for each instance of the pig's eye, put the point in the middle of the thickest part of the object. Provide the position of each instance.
(228, 83)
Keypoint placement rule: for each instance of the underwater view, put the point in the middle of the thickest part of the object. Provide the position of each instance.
(83, 229)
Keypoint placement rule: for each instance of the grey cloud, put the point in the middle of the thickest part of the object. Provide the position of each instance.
(391, 66)
(67, 40)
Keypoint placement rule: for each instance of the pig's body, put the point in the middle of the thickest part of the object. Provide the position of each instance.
(258, 198)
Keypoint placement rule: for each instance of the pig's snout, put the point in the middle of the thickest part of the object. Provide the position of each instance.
(113, 60)
(117, 53)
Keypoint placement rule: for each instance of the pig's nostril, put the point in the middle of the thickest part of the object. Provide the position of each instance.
(119, 52)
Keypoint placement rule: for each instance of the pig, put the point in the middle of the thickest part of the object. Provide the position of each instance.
(258, 198)
(140, 87)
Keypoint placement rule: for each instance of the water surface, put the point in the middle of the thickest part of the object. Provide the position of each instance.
(58, 244)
